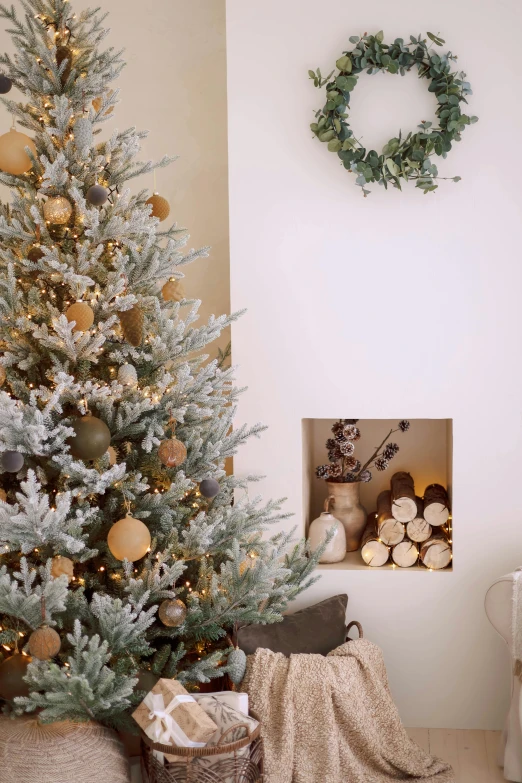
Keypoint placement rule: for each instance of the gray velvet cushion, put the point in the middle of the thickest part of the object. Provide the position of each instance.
(316, 629)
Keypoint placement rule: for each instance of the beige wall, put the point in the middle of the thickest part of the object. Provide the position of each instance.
(174, 85)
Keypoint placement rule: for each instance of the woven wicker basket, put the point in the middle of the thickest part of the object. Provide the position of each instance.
(235, 768)
(60, 753)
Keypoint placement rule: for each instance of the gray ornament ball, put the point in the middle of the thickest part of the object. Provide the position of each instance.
(5, 84)
(97, 195)
(12, 461)
(209, 488)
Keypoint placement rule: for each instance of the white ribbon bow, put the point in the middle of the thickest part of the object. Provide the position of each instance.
(164, 728)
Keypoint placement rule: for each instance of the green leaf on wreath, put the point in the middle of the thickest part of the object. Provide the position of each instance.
(344, 63)
(380, 36)
(335, 145)
(392, 167)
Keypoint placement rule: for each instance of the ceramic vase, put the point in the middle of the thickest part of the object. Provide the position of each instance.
(347, 509)
(336, 548)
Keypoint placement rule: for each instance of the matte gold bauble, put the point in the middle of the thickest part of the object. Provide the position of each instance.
(92, 438)
(172, 613)
(62, 565)
(12, 672)
(2, 375)
(82, 314)
(172, 452)
(132, 325)
(173, 291)
(13, 157)
(113, 457)
(44, 643)
(57, 210)
(129, 539)
(3, 495)
(160, 207)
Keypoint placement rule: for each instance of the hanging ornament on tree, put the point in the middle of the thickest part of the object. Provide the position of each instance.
(97, 195)
(12, 673)
(5, 84)
(160, 207)
(44, 643)
(172, 613)
(113, 457)
(209, 487)
(129, 539)
(13, 157)
(2, 375)
(97, 103)
(3, 495)
(172, 452)
(83, 133)
(173, 291)
(64, 53)
(91, 438)
(132, 325)
(12, 461)
(35, 253)
(127, 375)
(57, 210)
(82, 314)
(62, 565)
(236, 664)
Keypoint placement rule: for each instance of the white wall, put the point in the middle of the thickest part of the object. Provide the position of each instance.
(174, 85)
(338, 289)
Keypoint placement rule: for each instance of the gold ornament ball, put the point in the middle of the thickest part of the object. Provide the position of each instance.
(113, 457)
(173, 291)
(13, 157)
(172, 613)
(160, 207)
(57, 210)
(82, 314)
(129, 539)
(12, 672)
(172, 452)
(2, 375)
(35, 253)
(3, 495)
(132, 325)
(62, 565)
(91, 440)
(44, 643)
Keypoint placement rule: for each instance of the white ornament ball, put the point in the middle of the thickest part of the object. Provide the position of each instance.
(127, 375)
(13, 157)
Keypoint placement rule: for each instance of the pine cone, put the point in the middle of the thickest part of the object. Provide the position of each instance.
(323, 471)
(352, 464)
(349, 421)
(335, 454)
(339, 437)
(352, 432)
(381, 463)
(347, 448)
(404, 425)
(365, 476)
(337, 427)
(390, 450)
(331, 444)
(334, 471)
(132, 325)
(349, 478)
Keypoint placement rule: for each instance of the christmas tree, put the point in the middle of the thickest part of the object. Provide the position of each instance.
(125, 546)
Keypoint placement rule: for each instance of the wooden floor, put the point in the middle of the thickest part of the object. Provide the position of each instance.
(472, 754)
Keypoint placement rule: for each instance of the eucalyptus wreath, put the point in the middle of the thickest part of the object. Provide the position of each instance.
(402, 158)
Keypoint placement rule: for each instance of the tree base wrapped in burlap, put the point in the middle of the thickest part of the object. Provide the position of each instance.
(60, 753)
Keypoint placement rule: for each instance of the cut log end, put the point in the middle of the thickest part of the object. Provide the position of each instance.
(405, 554)
(373, 551)
(391, 531)
(436, 505)
(403, 499)
(436, 553)
(419, 530)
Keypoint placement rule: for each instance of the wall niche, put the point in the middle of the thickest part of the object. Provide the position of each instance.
(425, 451)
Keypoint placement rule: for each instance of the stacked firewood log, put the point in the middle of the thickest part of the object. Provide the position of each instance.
(407, 528)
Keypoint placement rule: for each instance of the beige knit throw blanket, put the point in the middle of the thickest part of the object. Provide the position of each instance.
(332, 719)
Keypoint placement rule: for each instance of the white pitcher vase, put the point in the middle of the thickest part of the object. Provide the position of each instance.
(347, 509)
(335, 549)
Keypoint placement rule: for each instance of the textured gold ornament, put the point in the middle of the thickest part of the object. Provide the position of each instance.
(172, 613)
(173, 291)
(113, 457)
(44, 643)
(129, 539)
(172, 452)
(13, 157)
(62, 565)
(132, 325)
(82, 314)
(160, 207)
(57, 210)
(2, 375)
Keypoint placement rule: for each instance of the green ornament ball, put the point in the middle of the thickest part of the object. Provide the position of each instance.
(91, 438)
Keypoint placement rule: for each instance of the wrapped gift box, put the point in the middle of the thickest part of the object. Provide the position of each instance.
(238, 701)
